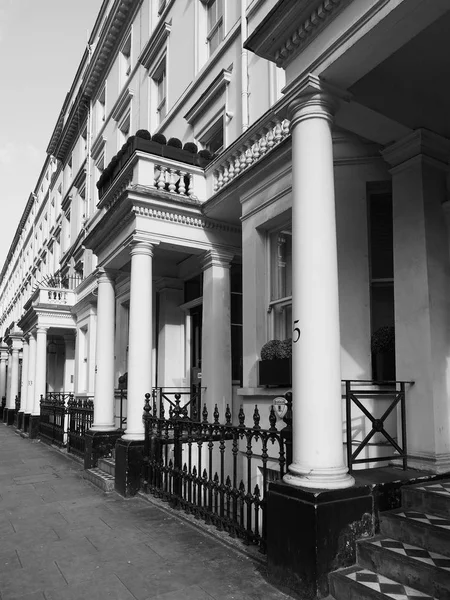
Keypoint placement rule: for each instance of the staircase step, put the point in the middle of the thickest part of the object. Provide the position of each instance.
(432, 497)
(411, 565)
(108, 465)
(100, 478)
(357, 583)
(417, 528)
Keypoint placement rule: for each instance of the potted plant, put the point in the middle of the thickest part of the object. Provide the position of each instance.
(275, 366)
(383, 353)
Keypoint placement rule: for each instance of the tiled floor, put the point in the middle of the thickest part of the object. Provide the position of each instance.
(63, 539)
(391, 589)
(425, 518)
(431, 558)
(436, 488)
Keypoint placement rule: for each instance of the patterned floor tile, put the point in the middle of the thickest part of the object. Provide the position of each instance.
(430, 558)
(442, 488)
(386, 586)
(426, 518)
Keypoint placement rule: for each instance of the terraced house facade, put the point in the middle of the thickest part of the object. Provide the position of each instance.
(222, 175)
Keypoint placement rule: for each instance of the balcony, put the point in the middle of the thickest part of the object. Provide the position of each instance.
(150, 164)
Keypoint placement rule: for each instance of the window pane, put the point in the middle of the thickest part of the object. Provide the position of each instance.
(381, 236)
(281, 271)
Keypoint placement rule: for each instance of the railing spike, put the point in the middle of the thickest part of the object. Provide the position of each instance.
(256, 418)
(272, 419)
(228, 415)
(205, 414)
(216, 415)
(147, 404)
(241, 417)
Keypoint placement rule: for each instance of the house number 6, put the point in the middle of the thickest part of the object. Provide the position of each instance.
(296, 332)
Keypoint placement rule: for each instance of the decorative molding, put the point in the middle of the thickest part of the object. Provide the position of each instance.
(155, 44)
(216, 88)
(419, 142)
(98, 146)
(309, 28)
(122, 103)
(179, 218)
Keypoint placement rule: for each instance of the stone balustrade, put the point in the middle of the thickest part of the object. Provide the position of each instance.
(255, 143)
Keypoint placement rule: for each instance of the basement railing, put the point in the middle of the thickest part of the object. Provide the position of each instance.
(376, 403)
(218, 472)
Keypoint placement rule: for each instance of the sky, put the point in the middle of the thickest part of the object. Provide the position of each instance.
(41, 45)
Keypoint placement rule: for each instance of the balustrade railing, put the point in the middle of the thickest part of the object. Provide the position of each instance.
(80, 418)
(249, 149)
(216, 471)
(368, 396)
(176, 181)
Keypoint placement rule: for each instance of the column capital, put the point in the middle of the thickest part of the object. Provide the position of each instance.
(217, 258)
(41, 329)
(106, 275)
(312, 98)
(418, 146)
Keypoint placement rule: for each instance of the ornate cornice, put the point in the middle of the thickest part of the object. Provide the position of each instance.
(290, 26)
(122, 103)
(217, 87)
(182, 219)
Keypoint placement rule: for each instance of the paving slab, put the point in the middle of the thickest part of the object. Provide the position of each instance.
(64, 539)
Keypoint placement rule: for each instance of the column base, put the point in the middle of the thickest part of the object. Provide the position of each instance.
(33, 427)
(20, 415)
(26, 422)
(310, 534)
(99, 444)
(133, 437)
(319, 479)
(129, 462)
(10, 414)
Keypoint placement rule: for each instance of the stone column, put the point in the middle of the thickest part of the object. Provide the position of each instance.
(104, 370)
(140, 338)
(69, 363)
(24, 382)
(422, 287)
(14, 385)
(216, 332)
(170, 331)
(31, 372)
(41, 368)
(318, 458)
(3, 360)
(8, 379)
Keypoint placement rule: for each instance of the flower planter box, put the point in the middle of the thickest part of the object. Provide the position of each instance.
(276, 372)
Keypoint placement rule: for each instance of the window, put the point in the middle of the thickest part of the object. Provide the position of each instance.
(99, 168)
(125, 59)
(124, 129)
(213, 139)
(381, 254)
(83, 145)
(236, 322)
(280, 305)
(160, 80)
(101, 109)
(215, 24)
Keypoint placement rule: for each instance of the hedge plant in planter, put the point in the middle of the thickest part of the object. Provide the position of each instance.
(383, 354)
(275, 366)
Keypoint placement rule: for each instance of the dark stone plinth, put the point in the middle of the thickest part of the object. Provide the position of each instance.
(99, 444)
(129, 462)
(313, 532)
(10, 413)
(5, 414)
(26, 422)
(20, 419)
(33, 427)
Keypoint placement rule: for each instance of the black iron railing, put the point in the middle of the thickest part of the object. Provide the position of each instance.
(52, 422)
(366, 396)
(120, 408)
(3, 405)
(185, 401)
(217, 472)
(16, 410)
(80, 418)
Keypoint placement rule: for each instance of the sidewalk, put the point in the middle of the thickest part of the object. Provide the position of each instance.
(62, 539)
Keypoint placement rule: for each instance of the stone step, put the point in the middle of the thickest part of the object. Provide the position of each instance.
(100, 478)
(108, 465)
(410, 565)
(358, 583)
(417, 528)
(432, 497)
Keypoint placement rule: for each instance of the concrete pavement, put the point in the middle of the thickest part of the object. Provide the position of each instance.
(63, 539)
